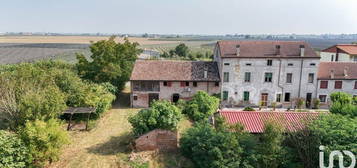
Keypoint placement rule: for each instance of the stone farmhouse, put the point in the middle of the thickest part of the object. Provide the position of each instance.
(250, 73)
(171, 80)
(340, 53)
(262, 72)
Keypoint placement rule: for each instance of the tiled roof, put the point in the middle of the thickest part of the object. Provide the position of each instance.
(169, 70)
(338, 69)
(265, 49)
(347, 48)
(253, 121)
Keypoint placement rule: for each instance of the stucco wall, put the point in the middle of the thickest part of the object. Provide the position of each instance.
(236, 85)
(342, 57)
(347, 86)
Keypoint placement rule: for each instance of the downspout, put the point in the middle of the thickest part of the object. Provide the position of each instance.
(302, 61)
(282, 88)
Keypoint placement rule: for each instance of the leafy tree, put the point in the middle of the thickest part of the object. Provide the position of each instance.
(13, 151)
(341, 97)
(342, 103)
(210, 148)
(110, 62)
(44, 140)
(201, 106)
(182, 50)
(162, 114)
(270, 149)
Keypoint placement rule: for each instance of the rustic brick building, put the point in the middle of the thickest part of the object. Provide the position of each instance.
(162, 140)
(171, 80)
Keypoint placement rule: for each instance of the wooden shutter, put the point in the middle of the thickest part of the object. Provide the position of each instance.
(169, 84)
(323, 84)
(183, 84)
(338, 84)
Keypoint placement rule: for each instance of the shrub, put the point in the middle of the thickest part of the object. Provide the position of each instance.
(44, 140)
(162, 114)
(316, 103)
(210, 148)
(299, 103)
(201, 106)
(341, 97)
(248, 109)
(13, 152)
(354, 100)
(344, 109)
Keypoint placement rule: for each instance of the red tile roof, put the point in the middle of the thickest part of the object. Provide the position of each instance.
(253, 121)
(170, 70)
(265, 49)
(338, 69)
(347, 48)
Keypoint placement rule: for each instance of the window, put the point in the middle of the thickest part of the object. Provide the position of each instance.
(216, 83)
(322, 98)
(225, 95)
(247, 77)
(187, 83)
(182, 84)
(287, 97)
(226, 77)
(290, 64)
(312, 64)
(135, 97)
(338, 84)
(270, 62)
(355, 58)
(323, 84)
(311, 78)
(289, 78)
(268, 77)
(248, 64)
(227, 64)
(194, 84)
(331, 58)
(355, 84)
(278, 97)
(246, 96)
(165, 83)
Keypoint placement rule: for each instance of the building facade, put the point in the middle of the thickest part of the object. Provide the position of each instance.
(336, 77)
(171, 80)
(262, 72)
(340, 53)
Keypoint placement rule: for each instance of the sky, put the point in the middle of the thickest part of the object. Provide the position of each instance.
(208, 17)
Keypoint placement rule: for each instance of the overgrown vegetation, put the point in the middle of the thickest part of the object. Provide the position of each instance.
(182, 51)
(110, 62)
(343, 103)
(162, 114)
(201, 106)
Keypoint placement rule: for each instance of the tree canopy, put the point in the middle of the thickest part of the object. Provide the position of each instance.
(201, 106)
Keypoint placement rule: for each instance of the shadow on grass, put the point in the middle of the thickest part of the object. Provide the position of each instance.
(116, 145)
(122, 101)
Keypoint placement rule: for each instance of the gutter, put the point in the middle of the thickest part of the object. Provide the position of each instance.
(282, 88)
(301, 65)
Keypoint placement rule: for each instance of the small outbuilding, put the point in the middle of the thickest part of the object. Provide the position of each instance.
(158, 139)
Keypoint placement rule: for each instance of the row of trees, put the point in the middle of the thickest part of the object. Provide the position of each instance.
(182, 51)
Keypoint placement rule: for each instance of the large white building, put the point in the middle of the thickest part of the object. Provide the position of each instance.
(263, 72)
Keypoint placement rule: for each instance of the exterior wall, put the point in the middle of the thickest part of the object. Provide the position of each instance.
(342, 57)
(236, 85)
(347, 86)
(166, 92)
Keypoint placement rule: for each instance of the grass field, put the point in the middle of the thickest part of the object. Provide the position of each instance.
(108, 144)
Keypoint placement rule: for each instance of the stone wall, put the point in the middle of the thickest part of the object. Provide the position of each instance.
(162, 140)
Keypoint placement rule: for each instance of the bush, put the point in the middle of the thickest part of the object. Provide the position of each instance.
(341, 97)
(13, 152)
(201, 106)
(248, 109)
(210, 148)
(344, 109)
(299, 103)
(162, 114)
(316, 103)
(44, 140)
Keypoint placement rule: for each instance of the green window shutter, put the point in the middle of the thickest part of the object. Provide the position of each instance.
(246, 96)
(225, 95)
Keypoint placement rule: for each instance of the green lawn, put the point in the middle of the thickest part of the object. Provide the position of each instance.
(108, 144)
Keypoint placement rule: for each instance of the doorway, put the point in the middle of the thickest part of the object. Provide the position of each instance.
(264, 99)
(153, 97)
(175, 97)
(308, 100)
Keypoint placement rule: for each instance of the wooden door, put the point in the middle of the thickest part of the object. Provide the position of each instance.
(264, 99)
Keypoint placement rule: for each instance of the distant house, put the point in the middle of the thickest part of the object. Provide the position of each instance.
(262, 72)
(336, 77)
(171, 80)
(340, 53)
(253, 121)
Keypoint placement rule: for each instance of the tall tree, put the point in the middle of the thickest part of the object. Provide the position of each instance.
(110, 62)
(182, 50)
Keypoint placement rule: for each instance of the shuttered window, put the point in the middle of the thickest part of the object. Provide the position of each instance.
(246, 96)
(338, 84)
(225, 95)
(323, 84)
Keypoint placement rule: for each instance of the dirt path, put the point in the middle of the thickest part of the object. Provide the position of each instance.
(102, 146)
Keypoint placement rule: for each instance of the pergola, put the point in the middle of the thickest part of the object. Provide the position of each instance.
(79, 110)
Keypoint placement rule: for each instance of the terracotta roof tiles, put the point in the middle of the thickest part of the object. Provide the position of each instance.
(339, 69)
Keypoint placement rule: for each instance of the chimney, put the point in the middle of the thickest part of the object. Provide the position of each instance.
(332, 74)
(277, 49)
(345, 72)
(205, 74)
(302, 50)
(238, 50)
